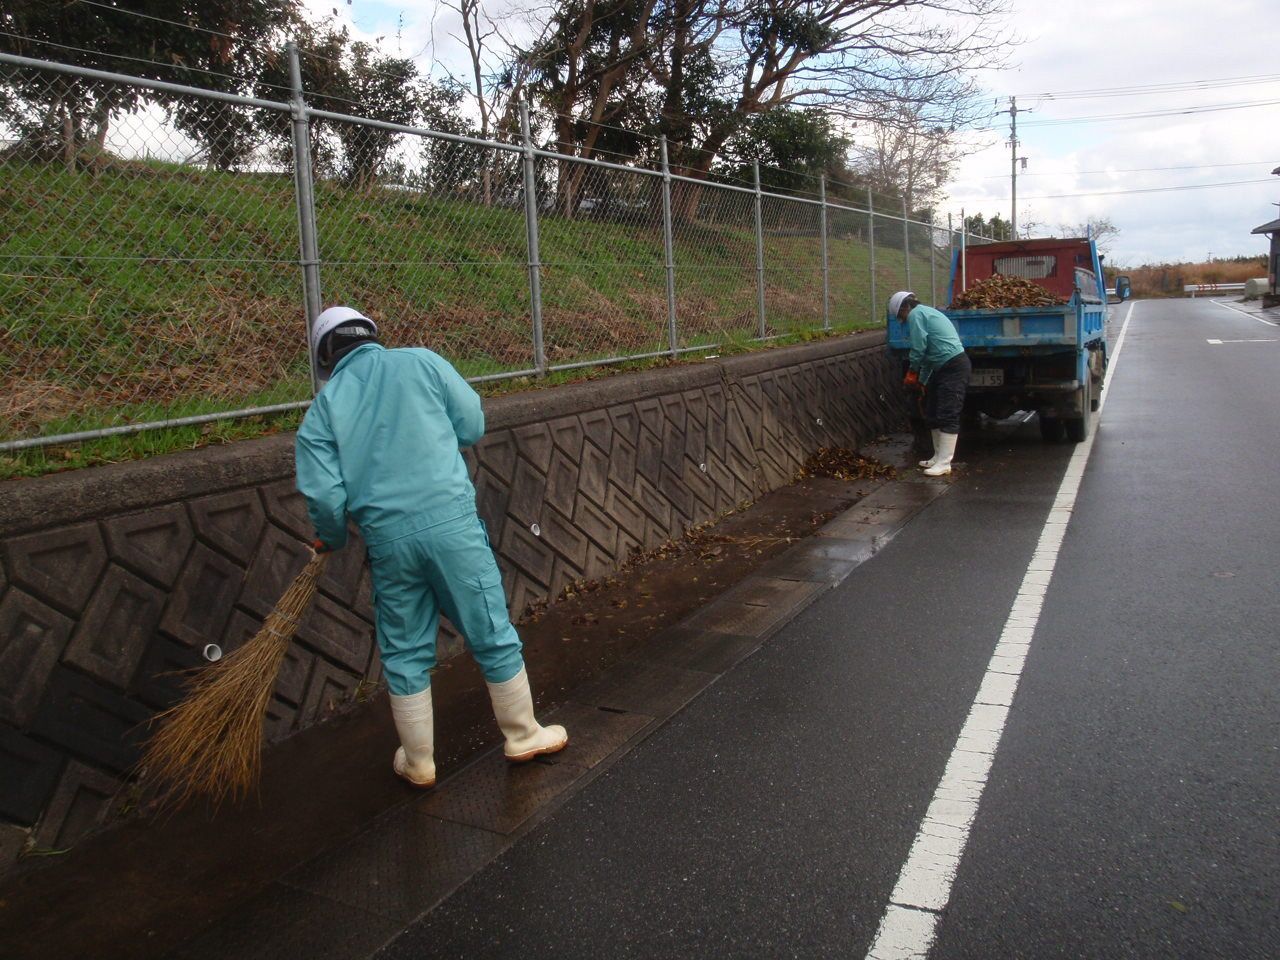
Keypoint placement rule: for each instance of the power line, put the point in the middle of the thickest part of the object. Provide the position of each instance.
(1176, 86)
(120, 56)
(1116, 193)
(1081, 173)
(172, 23)
(1172, 112)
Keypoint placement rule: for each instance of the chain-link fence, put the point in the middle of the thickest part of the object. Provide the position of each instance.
(163, 246)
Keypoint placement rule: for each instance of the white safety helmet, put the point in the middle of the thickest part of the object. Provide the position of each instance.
(327, 322)
(896, 302)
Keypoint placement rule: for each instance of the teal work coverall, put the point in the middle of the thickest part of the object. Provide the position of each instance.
(382, 443)
(933, 341)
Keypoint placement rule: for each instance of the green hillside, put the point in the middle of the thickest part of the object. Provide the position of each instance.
(152, 291)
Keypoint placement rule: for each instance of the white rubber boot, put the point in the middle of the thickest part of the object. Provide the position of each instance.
(414, 759)
(946, 450)
(513, 708)
(936, 443)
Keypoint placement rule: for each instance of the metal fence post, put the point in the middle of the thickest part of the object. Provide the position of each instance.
(933, 261)
(668, 243)
(951, 247)
(305, 200)
(531, 233)
(906, 241)
(755, 168)
(871, 236)
(826, 273)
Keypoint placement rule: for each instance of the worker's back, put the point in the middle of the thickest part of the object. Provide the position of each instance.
(386, 431)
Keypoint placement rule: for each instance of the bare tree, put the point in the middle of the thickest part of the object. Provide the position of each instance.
(716, 63)
(906, 156)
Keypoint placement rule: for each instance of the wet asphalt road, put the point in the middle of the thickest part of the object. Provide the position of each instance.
(1133, 807)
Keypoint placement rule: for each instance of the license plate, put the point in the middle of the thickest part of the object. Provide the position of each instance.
(986, 377)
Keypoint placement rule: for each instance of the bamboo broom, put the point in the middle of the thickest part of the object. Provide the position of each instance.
(210, 744)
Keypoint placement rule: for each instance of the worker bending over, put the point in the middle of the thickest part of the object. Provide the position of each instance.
(382, 442)
(938, 365)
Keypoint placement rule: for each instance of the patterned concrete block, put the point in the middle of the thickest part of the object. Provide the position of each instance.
(527, 553)
(671, 486)
(280, 721)
(649, 410)
(34, 637)
(695, 404)
(331, 688)
(622, 509)
(649, 455)
(341, 577)
(280, 558)
(566, 434)
(626, 422)
(562, 482)
(598, 524)
(598, 428)
(29, 773)
(599, 563)
(715, 436)
(81, 802)
(492, 498)
(528, 490)
(593, 474)
(116, 627)
(561, 535)
(59, 567)
(295, 674)
(535, 444)
(161, 678)
(497, 453)
(333, 631)
(231, 522)
(202, 599)
(622, 462)
(653, 503)
(90, 722)
(672, 444)
(153, 544)
(288, 508)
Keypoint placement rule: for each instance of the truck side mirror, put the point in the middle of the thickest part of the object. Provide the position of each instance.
(1123, 290)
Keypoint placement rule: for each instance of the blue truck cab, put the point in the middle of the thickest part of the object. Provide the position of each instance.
(1047, 359)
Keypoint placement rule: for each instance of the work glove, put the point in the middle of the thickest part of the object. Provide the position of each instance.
(319, 547)
(912, 381)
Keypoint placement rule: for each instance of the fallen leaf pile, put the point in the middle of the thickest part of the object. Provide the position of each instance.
(999, 291)
(841, 463)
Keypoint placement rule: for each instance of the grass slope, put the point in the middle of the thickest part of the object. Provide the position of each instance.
(150, 291)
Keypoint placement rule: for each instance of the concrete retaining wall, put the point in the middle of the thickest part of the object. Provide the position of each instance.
(114, 577)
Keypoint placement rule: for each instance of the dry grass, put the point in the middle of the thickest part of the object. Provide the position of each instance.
(1168, 279)
(210, 744)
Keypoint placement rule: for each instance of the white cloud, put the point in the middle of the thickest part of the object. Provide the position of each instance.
(1075, 46)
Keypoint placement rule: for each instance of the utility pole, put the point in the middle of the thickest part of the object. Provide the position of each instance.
(1013, 163)
(1014, 160)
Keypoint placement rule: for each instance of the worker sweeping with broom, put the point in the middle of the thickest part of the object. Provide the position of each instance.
(381, 443)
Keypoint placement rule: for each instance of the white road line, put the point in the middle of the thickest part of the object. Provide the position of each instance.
(910, 921)
(1218, 343)
(1251, 316)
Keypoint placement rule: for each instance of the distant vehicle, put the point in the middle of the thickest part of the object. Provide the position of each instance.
(1047, 359)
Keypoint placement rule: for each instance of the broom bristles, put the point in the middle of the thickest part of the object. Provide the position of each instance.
(210, 744)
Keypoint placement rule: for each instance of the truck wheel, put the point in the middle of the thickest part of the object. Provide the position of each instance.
(1051, 429)
(1078, 427)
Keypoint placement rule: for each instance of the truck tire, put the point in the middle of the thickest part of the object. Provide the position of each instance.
(1051, 429)
(1078, 427)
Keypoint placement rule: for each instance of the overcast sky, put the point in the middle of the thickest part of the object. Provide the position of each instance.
(1069, 46)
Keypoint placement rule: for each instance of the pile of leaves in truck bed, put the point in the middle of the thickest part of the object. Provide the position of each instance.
(998, 291)
(841, 463)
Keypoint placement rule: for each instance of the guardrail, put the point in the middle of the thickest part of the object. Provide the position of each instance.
(1194, 288)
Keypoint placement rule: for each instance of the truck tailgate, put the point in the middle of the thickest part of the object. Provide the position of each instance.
(1016, 327)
